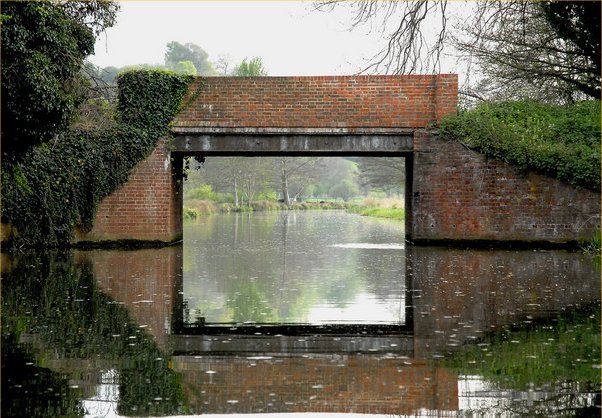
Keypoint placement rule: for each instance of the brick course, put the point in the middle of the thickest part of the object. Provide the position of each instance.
(320, 384)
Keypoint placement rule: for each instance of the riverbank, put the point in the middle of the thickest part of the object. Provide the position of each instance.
(194, 209)
(378, 212)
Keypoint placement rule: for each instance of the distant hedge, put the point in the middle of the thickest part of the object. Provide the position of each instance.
(558, 141)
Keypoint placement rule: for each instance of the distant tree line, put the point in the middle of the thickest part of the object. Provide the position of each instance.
(242, 180)
(188, 59)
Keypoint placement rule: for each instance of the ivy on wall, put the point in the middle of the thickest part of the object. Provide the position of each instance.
(558, 141)
(58, 185)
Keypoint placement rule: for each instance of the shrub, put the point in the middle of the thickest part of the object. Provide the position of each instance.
(203, 192)
(203, 207)
(265, 205)
(190, 214)
(558, 141)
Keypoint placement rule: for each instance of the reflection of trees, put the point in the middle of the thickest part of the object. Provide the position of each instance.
(250, 304)
(49, 296)
(554, 360)
(273, 248)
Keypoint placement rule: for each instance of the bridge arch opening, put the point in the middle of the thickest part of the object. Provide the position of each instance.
(376, 148)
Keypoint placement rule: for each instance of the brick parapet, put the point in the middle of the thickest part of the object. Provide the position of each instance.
(348, 102)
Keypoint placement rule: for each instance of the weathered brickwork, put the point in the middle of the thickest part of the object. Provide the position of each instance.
(148, 207)
(459, 194)
(320, 102)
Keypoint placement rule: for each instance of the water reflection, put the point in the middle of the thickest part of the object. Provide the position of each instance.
(486, 332)
(294, 268)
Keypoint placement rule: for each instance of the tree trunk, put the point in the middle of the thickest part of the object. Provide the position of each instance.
(284, 181)
(235, 193)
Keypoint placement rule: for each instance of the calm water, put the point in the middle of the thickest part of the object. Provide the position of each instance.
(300, 312)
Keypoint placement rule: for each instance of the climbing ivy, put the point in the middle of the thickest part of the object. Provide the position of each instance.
(57, 186)
(558, 141)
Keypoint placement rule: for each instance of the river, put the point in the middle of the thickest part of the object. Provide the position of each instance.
(300, 312)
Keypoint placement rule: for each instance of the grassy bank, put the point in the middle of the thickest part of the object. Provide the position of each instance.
(389, 213)
(195, 208)
(389, 208)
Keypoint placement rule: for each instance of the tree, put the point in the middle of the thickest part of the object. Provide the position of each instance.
(385, 173)
(519, 45)
(252, 68)
(345, 190)
(296, 173)
(44, 45)
(548, 51)
(185, 67)
(177, 52)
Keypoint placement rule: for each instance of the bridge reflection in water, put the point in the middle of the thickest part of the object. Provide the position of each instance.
(453, 297)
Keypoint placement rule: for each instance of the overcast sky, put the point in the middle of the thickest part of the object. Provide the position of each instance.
(290, 37)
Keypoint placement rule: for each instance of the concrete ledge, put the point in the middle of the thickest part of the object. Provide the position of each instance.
(124, 244)
(266, 144)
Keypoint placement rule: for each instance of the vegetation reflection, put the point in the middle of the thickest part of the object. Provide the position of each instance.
(560, 354)
(54, 304)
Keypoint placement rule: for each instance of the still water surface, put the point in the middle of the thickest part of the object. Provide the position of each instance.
(300, 312)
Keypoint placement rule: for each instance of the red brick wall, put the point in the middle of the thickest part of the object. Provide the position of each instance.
(321, 102)
(148, 207)
(459, 194)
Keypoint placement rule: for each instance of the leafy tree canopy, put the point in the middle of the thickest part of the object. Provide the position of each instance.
(177, 52)
(186, 67)
(43, 48)
(250, 68)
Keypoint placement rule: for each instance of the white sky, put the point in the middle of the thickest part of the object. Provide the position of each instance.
(290, 37)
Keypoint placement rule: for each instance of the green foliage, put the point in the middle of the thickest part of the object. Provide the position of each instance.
(390, 213)
(185, 67)
(251, 68)
(43, 49)
(190, 214)
(345, 189)
(558, 141)
(205, 192)
(56, 187)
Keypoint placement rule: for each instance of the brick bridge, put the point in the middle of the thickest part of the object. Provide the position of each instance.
(452, 193)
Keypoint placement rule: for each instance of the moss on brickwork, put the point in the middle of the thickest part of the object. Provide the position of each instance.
(58, 186)
(558, 141)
